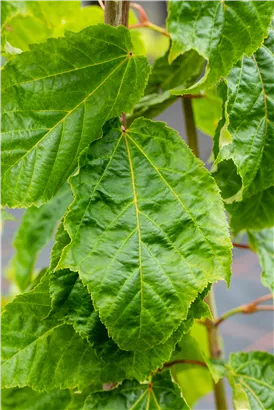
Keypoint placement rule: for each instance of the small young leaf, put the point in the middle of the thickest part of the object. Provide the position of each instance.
(251, 377)
(146, 208)
(55, 100)
(215, 35)
(34, 232)
(160, 393)
(262, 242)
(249, 118)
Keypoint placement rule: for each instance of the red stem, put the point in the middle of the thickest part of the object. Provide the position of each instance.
(197, 362)
(239, 245)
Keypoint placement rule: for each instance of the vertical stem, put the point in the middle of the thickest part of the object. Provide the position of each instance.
(213, 334)
(190, 125)
(116, 13)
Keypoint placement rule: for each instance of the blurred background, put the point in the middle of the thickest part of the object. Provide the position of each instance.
(240, 332)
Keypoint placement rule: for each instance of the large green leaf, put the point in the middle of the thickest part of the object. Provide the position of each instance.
(160, 393)
(55, 100)
(262, 242)
(34, 232)
(249, 114)
(71, 303)
(254, 213)
(146, 208)
(251, 376)
(220, 31)
(42, 352)
(28, 399)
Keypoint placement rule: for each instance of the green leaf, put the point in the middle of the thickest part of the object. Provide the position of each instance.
(251, 377)
(35, 231)
(34, 21)
(249, 114)
(160, 393)
(262, 242)
(90, 77)
(140, 201)
(71, 303)
(6, 216)
(184, 71)
(42, 352)
(194, 380)
(215, 35)
(207, 111)
(254, 213)
(227, 179)
(28, 399)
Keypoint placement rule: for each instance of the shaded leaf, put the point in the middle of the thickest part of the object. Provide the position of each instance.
(215, 35)
(35, 231)
(139, 210)
(254, 213)
(28, 399)
(251, 377)
(249, 114)
(44, 353)
(207, 112)
(90, 77)
(160, 393)
(184, 71)
(262, 242)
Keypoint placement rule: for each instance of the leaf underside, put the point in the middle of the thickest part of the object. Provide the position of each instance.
(73, 83)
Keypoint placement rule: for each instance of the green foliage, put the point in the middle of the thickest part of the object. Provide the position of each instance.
(35, 231)
(80, 90)
(219, 25)
(145, 234)
(138, 234)
(160, 393)
(251, 378)
(262, 242)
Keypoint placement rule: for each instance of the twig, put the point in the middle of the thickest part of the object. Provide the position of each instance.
(145, 22)
(239, 245)
(247, 309)
(196, 362)
(101, 4)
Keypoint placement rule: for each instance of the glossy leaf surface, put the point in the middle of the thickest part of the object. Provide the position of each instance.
(147, 208)
(249, 114)
(213, 29)
(262, 242)
(73, 83)
(161, 393)
(35, 230)
(251, 377)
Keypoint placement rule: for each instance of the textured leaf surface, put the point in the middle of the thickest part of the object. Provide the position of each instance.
(262, 242)
(28, 399)
(249, 114)
(213, 29)
(146, 208)
(34, 232)
(72, 83)
(161, 393)
(72, 303)
(251, 376)
(254, 213)
(195, 381)
(44, 353)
